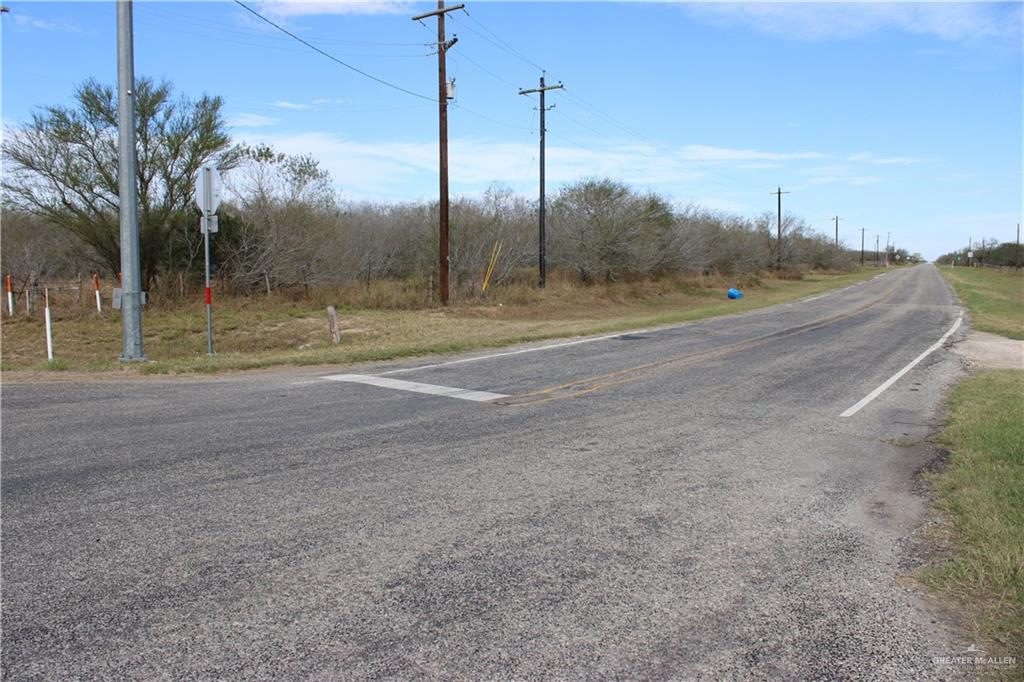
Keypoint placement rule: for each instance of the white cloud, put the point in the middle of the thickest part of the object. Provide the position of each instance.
(759, 166)
(837, 174)
(400, 169)
(697, 152)
(25, 22)
(251, 121)
(972, 22)
(868, 157)
(332, 100)
(295, 8)
(294, 106)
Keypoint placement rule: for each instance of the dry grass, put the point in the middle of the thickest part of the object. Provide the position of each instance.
(380, 321)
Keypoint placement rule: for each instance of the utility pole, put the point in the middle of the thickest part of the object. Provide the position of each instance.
(778, 246)
(970, 243)
(442, 110)
(131, 292)
(877, 237)
(541, 265)
(862, 246)
(837, 230)
(887, 236)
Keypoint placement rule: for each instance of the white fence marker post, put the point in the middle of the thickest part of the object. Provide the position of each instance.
(96, 288)
(10, 296)
(49, 327)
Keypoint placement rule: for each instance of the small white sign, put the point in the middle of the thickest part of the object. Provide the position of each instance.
(970, 254)
(208, 189)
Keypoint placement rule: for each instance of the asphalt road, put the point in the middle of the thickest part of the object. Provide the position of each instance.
(681, 503)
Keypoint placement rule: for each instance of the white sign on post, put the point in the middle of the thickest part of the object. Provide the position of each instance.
(208, 195)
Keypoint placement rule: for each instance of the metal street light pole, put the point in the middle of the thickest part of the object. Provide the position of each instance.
(131, 285)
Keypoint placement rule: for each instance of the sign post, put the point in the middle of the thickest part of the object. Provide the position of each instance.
(208, 188)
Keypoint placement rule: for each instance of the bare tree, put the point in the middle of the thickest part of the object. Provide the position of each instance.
(285, 220)
(602, 228)
(30, 244)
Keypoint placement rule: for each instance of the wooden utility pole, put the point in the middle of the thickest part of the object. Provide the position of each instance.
(778, 245)
(541, 266)
(862, 246)
(442, 109)
(837, 230)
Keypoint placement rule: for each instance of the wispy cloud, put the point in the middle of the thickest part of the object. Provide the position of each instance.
(295, 8)
(968, 22)
(389, 168)
(696, 152)
(25, 22)
(837, 174)
(294, 106)
(868, 157)
(251, 121)
(332, 100)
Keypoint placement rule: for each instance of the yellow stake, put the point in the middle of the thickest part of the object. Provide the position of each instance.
(495, 252)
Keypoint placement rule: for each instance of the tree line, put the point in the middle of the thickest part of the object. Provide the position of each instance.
(283, 223)
(988, 252)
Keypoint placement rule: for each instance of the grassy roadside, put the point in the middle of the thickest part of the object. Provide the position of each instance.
(994, 297)
(257, 332)
(981, 491)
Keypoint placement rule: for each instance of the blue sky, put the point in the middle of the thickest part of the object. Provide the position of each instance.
(901, 118)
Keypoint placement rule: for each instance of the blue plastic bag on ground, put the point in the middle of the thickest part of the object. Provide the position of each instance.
(735, 293)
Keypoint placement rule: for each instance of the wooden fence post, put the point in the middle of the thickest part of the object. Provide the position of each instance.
(332, 319)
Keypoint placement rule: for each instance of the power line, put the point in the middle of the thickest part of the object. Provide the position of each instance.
(231, 28)
(499, 42)
(460, 107)
(622, 126)
(580, 123)
(502, 44)
(463, 55)
(332, 57)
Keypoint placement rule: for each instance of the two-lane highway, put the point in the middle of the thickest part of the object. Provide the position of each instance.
(685, 502)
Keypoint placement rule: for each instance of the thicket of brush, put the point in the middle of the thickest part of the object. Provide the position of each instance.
(283, 230)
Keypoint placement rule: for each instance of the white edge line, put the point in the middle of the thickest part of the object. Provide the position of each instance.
(415, 387)
(896, 377)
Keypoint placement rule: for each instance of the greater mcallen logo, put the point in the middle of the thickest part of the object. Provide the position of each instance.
(975, 656)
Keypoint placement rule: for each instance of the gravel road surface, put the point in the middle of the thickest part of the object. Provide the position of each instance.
(678, 503)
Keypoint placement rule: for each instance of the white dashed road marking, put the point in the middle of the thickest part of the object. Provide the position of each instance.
(414, 387)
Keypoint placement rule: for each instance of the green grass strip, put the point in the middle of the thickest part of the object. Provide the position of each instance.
(994, 297)
(982, 492)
